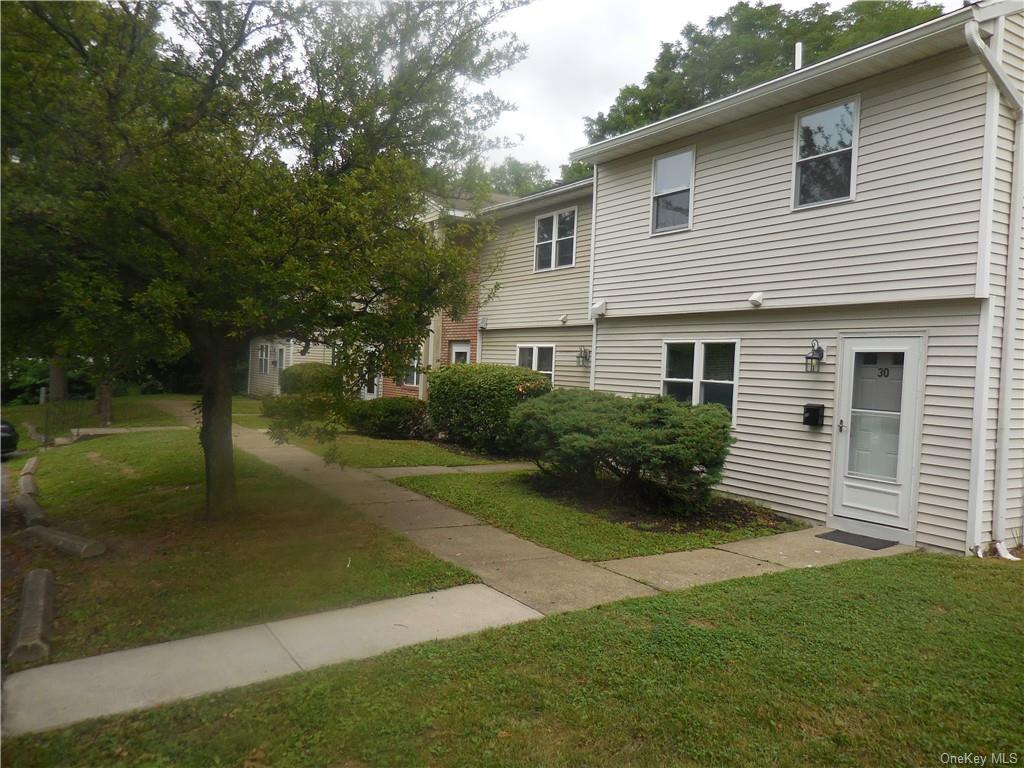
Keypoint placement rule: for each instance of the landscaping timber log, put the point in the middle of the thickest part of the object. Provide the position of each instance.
(27, 484)
(35, 620)
(29, 509)
(67, 542)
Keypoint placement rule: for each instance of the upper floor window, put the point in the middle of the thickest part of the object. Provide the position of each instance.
(701, 372)
(555, 244)
(673, 185)
(825, 153)
(540, 358)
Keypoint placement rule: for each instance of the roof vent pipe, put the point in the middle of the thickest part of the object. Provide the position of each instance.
(798, 56)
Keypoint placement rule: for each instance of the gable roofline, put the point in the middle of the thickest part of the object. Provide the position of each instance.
(924, 40)
(574, 189)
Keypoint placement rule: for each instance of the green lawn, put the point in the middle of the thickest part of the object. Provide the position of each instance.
(353, 450)
(169, 574)
(512, 502)
(129, 411)
(882, 662)
(248, 412)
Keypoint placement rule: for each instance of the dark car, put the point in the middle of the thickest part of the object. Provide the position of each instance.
(8, 438)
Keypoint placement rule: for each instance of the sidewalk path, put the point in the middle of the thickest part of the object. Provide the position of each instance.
(61, 694)
(522, 581)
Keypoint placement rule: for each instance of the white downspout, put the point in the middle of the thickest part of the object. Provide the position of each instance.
(1011, 301)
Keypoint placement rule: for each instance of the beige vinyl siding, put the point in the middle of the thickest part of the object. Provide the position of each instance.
(778, 460)
(262, 384)
(525, 298)
(911, 233)
(265, 384)
(500, 347)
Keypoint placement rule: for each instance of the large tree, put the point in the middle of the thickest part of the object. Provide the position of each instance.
(747, 45)
(219, 171)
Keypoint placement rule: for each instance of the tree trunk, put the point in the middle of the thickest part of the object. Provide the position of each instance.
(58, 380)
(215, 433)
(105, 402)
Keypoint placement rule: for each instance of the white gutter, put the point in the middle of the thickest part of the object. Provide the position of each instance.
(1011, 299)
(590, 292)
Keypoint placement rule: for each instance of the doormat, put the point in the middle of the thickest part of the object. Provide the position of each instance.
(856, 540)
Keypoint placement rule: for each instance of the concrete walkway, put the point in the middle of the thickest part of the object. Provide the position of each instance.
(57, 695)
(522, 581)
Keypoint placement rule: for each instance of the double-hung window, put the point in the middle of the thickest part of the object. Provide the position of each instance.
(672, 191)
(538, 357)
(701, 372)
(264, 358)
(826, 146)
(555, 240)
(412, 374)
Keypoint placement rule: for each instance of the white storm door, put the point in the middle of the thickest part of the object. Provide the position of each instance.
(876, 429)
(460, 352)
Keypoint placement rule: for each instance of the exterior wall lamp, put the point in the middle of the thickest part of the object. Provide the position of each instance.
(583, 357)
(812, 360)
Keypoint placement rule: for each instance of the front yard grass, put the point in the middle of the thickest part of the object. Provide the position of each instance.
(128, 411)
(884, 662)
(248, 412)
(168, 573)
(352, 450)
(601, 530)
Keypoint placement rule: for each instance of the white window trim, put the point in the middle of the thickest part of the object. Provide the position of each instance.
(794, 191)
(263, 359)
(698, 368)
(534, 346)
(692, 149)
(460, 346)
(554, 240)
(415, 365)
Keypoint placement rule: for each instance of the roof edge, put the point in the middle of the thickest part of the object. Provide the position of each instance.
(593, 152)
(575, 186)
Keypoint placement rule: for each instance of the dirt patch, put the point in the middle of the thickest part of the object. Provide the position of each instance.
(95, 458)
(607, 501)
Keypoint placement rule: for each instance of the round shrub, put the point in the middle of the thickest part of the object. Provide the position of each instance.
(650, 443)
(397, 418)
(307, 378)
(471, 402)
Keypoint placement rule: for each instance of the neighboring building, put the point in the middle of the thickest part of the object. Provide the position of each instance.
(534, 278)
(268, 356)
(863, 202)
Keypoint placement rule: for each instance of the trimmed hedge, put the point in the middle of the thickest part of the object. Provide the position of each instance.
(389, 417)
(650, 443)
(471, 402)
(308, 379)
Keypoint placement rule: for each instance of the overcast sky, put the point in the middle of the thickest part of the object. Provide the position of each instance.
(580, 53)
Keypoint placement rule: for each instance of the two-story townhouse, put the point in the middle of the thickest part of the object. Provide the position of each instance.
(534, 285)
(835, 257)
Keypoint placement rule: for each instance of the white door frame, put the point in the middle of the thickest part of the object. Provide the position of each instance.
(459, 346)
(914, 420)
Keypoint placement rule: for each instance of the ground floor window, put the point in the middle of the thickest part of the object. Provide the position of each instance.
(412, 375)
(702, 371)
(539, 357)
(460, 352)
(263, 354)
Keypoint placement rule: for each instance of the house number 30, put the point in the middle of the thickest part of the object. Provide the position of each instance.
(883, 373)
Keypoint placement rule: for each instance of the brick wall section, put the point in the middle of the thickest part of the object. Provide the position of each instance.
(461, 330)
(391, 389)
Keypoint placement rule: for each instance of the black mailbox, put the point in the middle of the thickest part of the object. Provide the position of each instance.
(814, 414)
